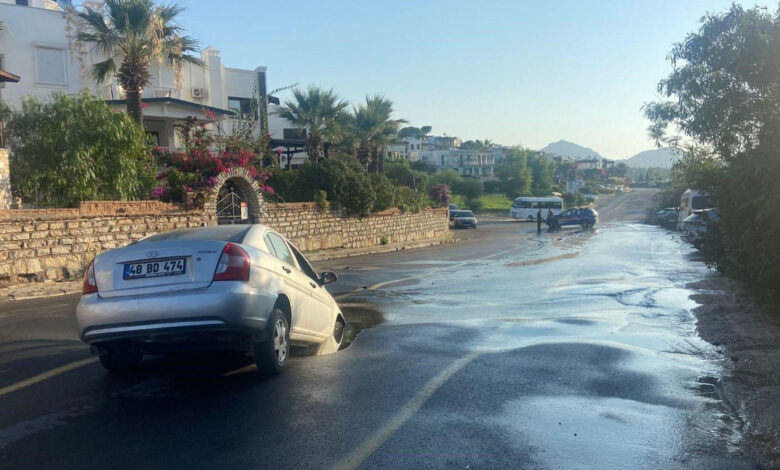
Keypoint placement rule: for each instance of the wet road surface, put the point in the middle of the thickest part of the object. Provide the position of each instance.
(506, 350)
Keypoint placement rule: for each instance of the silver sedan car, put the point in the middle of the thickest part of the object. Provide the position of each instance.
(229, 287)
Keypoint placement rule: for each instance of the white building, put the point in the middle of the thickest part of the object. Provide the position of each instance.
(465, 162)
(36, 47)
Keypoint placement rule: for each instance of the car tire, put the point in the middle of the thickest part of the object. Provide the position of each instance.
(120, 359)
(333, 342)
(271, 355)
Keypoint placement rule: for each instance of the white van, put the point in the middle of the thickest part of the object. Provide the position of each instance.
(690, 201)
(527, 207)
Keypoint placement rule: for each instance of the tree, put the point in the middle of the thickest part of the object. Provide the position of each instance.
(542, 174)
(374, 127)
(514, 174)
(469, 188)
(74, 148)
(414, 132)
(478, 145)
(620, 170)
(722, 95)
(318, 111)
(131, 35)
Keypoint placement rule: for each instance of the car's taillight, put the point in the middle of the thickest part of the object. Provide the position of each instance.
(90, 285)
(233, 265)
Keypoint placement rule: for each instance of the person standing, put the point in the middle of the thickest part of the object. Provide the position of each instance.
(539, 221)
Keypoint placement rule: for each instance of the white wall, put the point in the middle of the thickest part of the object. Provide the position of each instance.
(27, 28)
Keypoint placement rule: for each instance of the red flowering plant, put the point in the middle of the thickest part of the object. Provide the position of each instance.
(194, 171)
(440, 194)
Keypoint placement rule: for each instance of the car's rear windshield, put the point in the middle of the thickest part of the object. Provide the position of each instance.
(700, 202)
(226, 233)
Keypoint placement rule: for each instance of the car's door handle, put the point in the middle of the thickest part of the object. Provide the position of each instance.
(286, 269)
(313, 285)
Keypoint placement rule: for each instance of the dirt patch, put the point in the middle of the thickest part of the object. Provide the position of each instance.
(749, 336)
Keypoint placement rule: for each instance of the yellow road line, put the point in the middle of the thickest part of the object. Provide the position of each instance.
(46, 375)
(375, 440)
(378, 437)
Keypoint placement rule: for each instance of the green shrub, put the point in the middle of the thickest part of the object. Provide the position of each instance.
(470, 188)
(284, 183)
(349, 185)
(75, 148)
(409, 201)
(384, 192)
(321, 198)
(475, 204)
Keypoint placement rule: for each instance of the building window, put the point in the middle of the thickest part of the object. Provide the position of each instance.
(50, 66)
(241, 106)
(23, 2)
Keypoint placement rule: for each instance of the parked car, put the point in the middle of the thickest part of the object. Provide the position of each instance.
(582, 216)
(452, 209)
(694, 227)
(230, 287)
(690, 201)
(667, 217)
(465, 219)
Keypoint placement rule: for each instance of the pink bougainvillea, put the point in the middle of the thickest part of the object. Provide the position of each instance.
(197, 167)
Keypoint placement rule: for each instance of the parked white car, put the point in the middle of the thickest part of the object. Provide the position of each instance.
(228, 287)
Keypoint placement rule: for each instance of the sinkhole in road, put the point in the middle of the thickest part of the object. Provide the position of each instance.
(359, 316)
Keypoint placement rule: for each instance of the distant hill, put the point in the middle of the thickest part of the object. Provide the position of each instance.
(658, 158)
(570, 149)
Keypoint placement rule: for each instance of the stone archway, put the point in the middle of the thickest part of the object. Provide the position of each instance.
(248, 188)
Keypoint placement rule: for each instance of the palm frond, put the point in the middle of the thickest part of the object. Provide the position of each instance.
(101, 71)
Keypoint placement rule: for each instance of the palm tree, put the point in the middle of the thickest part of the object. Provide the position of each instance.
(318, 111)
(374, 128)
(131, 35)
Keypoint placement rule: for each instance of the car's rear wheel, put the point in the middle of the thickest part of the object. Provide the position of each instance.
(271, 354)
(120, 359)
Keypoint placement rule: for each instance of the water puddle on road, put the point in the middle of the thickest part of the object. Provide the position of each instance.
(359, 316)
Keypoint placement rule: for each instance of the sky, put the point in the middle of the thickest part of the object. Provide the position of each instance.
(515, 72)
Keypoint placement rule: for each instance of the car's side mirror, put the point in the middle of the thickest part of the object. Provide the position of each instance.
(327, 277)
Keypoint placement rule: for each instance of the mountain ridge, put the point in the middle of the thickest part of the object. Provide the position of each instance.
(569, 149)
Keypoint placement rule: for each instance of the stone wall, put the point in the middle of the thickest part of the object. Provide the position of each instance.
(312, 230)
(56, 244)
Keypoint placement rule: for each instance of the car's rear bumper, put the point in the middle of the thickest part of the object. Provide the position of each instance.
(228, 306)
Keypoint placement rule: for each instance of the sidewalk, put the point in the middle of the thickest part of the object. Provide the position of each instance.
(36, 290)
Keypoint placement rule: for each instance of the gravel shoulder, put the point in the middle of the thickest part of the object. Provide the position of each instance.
(749, 337)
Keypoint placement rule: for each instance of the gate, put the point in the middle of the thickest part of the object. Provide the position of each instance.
(231, 205)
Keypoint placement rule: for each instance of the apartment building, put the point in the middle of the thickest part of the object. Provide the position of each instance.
(44, 60)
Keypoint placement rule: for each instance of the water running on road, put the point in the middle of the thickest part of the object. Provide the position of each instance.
(602, 326)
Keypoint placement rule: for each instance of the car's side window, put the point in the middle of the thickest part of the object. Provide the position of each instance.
(305, 266)
(280, 248)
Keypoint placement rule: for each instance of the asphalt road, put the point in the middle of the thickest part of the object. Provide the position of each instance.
(508, 349)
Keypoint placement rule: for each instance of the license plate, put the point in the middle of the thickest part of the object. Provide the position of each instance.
(158, 268)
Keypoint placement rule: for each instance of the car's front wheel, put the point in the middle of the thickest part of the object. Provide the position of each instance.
(271, 354)
(120, 359)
